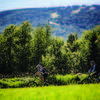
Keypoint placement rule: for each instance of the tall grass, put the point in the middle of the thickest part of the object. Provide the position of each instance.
(17, 82)
(63, 79)
(51, 80)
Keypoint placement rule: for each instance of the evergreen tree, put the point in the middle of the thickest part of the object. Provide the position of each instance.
(8, 35)
(23, 46)
(41, 42)
(71, 41)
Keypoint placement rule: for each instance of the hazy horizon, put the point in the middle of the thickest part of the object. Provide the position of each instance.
(21, 4)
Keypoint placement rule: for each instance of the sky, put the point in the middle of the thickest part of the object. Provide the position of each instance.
(17, 4)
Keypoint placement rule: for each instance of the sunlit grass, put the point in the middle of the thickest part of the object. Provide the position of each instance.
(69, 92)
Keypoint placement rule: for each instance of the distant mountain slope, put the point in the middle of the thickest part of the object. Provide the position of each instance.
(63, 19)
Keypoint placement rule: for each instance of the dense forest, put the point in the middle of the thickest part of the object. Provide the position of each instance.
(23, 47)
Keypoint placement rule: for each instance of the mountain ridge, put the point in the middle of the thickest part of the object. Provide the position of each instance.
(64, 20)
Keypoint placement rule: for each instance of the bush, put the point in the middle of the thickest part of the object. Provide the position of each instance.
(63, 79)
(18, 82)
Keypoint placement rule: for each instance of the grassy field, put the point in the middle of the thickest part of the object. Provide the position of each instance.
(68, 92)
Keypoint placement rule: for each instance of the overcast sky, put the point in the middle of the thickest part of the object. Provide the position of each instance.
(17, 4)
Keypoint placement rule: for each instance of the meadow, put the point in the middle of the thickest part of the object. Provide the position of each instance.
(60, 87)
(68, 92)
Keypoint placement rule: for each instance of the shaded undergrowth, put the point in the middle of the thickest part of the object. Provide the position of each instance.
(51, 80)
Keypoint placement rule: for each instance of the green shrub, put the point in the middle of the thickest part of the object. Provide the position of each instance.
(63, 79)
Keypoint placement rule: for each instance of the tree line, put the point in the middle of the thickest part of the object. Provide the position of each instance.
(23, 47)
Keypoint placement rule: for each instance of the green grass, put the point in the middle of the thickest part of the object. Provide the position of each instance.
(69, 92)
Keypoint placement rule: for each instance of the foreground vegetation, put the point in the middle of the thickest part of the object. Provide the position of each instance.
(56, 80)
(70, 92)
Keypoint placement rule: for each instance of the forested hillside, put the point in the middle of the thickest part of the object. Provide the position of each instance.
(64, 20)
